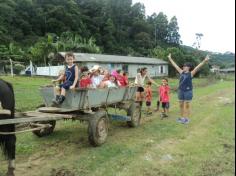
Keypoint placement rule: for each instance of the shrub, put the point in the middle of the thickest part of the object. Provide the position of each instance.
(18, 68)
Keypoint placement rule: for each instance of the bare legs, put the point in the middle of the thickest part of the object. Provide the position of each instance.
(184, 108)
(139, 97)
(181, 105)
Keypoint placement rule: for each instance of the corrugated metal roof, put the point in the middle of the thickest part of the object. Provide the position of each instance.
(84, 57)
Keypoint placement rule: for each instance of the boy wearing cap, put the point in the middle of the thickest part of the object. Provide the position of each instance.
(185, 93)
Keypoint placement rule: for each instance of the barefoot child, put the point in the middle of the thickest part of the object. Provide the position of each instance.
(185, 92)
(148, 93)
(71, 78)
(164, 97)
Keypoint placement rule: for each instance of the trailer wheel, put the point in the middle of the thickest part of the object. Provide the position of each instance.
(98, 129)
(135, 112)
(45, 131)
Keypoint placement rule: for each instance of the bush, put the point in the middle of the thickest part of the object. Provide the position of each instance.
(18, 68)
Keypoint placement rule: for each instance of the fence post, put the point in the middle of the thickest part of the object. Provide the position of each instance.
(12, 74)
(31, 68)
(49, 69)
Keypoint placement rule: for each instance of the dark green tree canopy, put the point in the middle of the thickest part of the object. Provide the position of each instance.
(31, 29)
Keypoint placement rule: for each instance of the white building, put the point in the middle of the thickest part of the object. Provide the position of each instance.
(156, 67)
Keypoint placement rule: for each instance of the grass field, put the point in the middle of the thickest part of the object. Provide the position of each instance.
(204, 147)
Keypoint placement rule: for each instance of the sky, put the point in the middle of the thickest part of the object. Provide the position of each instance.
(215, 19)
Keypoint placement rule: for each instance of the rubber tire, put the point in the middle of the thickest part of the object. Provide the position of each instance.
(100, 118)
(135, 113)
(45, 132)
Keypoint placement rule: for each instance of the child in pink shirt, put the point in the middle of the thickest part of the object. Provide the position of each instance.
(164, 97)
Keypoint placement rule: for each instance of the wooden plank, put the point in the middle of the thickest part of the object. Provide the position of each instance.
(55, 110)
(35, 117)
(5, 112)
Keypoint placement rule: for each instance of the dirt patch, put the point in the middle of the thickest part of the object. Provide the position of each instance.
(211, 168)
(228, 147)
(62, 172)
(225, 100)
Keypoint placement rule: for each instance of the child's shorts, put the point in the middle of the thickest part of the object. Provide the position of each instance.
(140, 89)
(148, 103)
(66, 85)
(165, 105)
(185, 95)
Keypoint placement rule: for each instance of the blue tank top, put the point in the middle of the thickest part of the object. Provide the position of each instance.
(185, 81)
(70, 73)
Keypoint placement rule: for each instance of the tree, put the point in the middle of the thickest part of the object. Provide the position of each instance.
(40, 51)
(173, 36)
(108, 39)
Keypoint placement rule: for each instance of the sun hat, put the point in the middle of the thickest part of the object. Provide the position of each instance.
(95, 68)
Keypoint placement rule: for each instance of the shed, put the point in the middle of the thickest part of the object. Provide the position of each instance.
(156, 67)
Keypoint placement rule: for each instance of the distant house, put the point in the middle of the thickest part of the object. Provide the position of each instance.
(227, 70)
(215, 69)
(156, 67)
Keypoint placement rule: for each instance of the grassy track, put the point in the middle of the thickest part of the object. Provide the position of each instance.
(205, 147)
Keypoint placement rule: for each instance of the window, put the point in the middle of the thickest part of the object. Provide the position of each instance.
(125, 68)
(161, 69)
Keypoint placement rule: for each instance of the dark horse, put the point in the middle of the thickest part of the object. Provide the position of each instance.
(7, 142)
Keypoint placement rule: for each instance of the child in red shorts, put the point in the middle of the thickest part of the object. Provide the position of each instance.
(164, 97)
(148, 93)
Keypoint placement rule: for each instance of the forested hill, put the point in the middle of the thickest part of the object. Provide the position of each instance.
(31, 29)
(223, 60)
(117, 25)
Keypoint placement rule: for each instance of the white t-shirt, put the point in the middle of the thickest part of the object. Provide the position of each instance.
(96, 80)
(139, 80)
(110, 84)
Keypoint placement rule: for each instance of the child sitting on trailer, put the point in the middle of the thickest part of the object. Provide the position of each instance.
(85, 81)
(71, 79)
(96, 76)
(126, 79)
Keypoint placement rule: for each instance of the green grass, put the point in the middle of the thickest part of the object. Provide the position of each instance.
(27, 91)
(205, 147)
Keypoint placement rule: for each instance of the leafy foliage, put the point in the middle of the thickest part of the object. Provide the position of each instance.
(34, 29)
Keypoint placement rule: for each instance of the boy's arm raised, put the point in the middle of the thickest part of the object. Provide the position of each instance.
(195, 70)
(174, 64)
